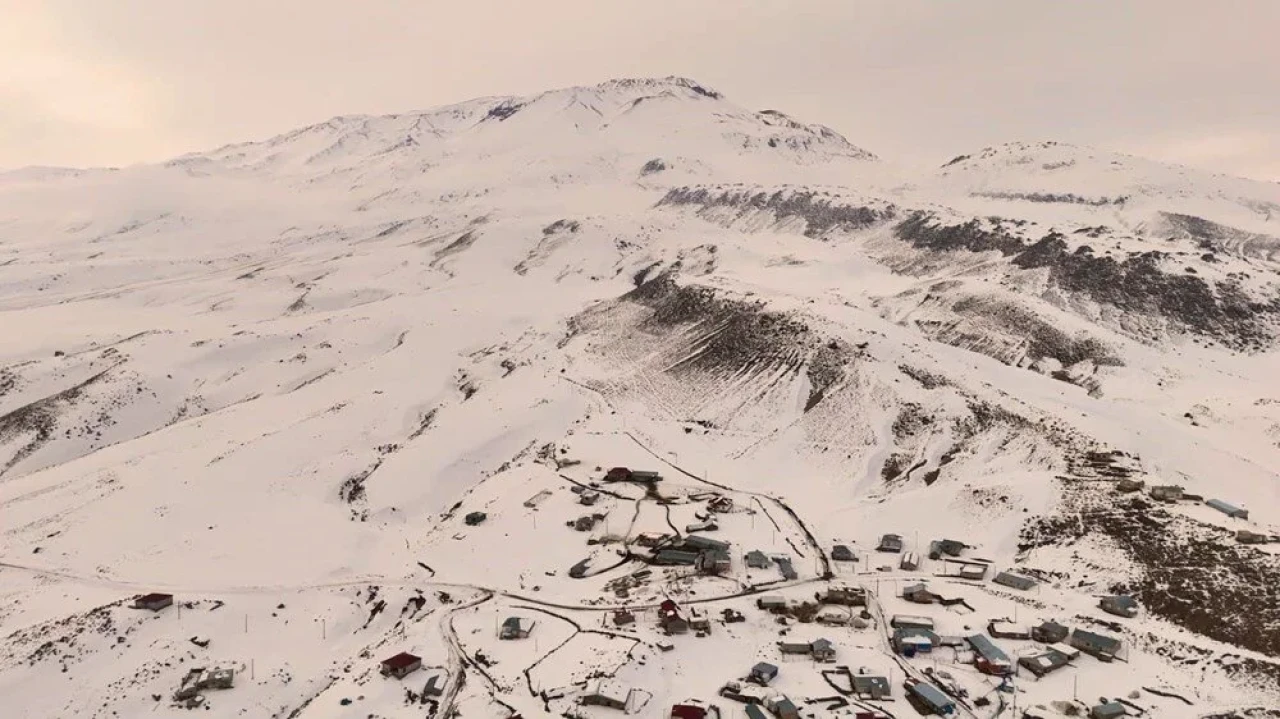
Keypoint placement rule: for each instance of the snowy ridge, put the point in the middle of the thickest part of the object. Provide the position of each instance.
(279, 379)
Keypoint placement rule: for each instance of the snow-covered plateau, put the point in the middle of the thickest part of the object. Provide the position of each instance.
(356, 391)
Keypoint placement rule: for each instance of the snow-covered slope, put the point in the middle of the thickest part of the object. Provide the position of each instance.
(274, 379)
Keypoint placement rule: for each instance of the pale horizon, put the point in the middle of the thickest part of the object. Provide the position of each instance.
(915, 83)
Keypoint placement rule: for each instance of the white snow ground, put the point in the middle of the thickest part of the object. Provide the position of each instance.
(281, 373)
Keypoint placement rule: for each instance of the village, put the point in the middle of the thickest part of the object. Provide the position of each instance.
(696, 600)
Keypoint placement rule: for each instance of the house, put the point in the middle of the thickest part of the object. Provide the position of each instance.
(1166, 493)
(1228, 509)
(1244, 536)
(617, 474)
(674, 624)
(154, 601)
(918, 594)
(688, 711)
(607, 693)
(990, 658)
(910, 562)
(401, 665)
(912, 641)
(973, 571)
(822, 650)
(757, 559)
(675, 557)
(784, 567)
(1044, 662)
(763, 673)
(1014, 581)
(1109, 710)
(930, 698)
(515, 628)
(1049, 632)
(772, 603)
(783, 708)
(474, 518)
(949, 547)
(1093, 644)
(845, 596)
(1130, 485)
(1001, 629)
(588, 498)
(700, 544)
(713, 561)
(1120, 605)
(866, 686)
(906, 621)
(890, 543)
(1066, 650)
(841, 553)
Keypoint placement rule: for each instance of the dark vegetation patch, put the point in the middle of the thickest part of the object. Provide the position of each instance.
(653, 166)
(39, 419)
(820, 214)
(504, 110)
(1067, 198)
(1192, 574)
(737, 338)
(561, 226)
(1043, 338)
(1136, 284)
(928, 380)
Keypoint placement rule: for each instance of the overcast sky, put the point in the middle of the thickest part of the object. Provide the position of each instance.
(88, 82)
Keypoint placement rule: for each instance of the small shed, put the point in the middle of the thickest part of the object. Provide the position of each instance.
(515, 628)
(1004, 629)
(688, 711)
(1044, 662)
(1244, 536)
(1121, 605)
(474, 518)
(1049, 632)
(757, 559)
(772, 603)
(763, 673)
(784, 708)
(607, 693)
(1108, 710)
(1166, 493)
(871, 687)
(918, 594)
(1228, 509)
(1014, 581)
(401, 665)
(842, 553)
(154, 601)
(890, 543)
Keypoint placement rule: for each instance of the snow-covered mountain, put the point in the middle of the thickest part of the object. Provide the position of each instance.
(274, 379)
